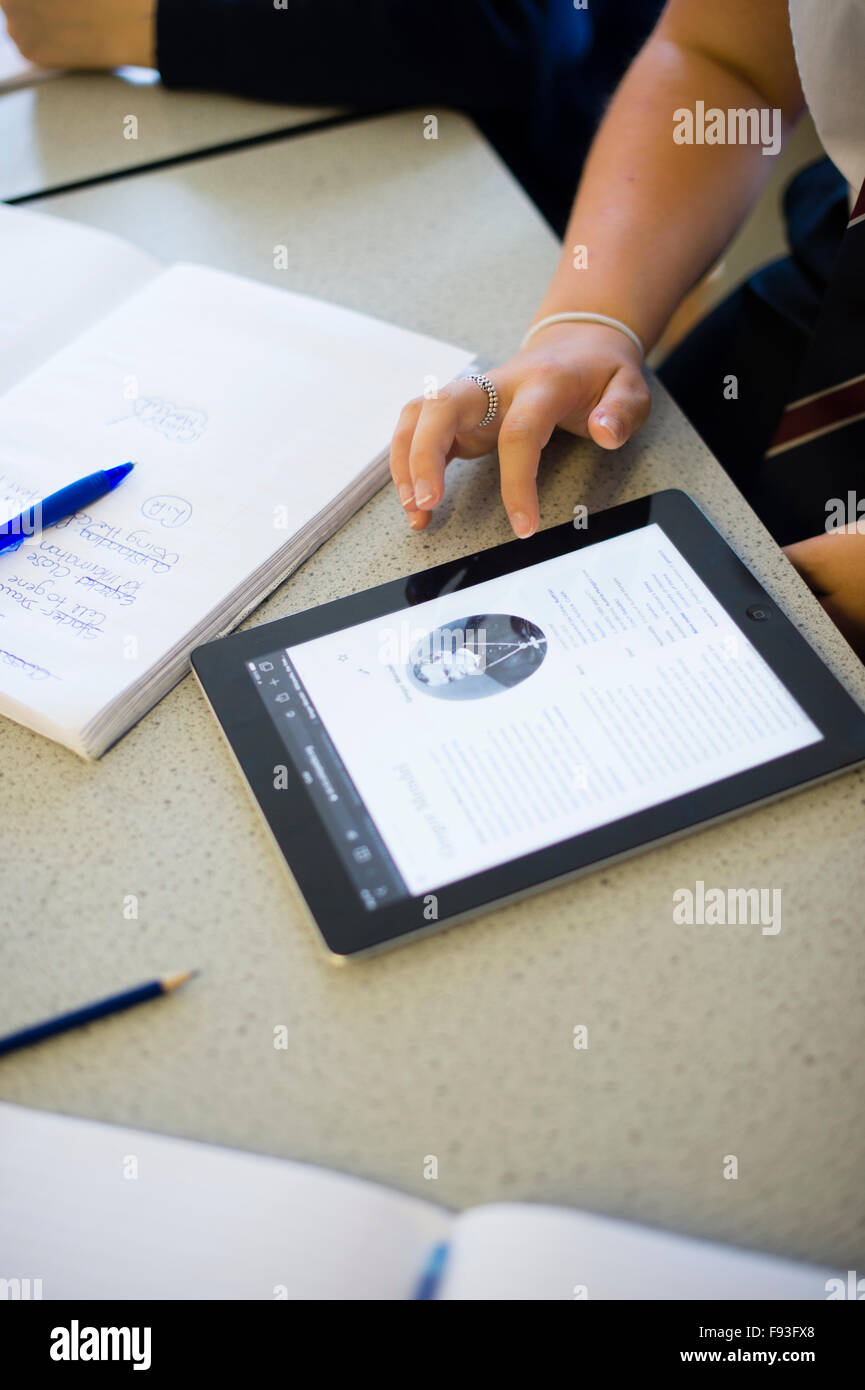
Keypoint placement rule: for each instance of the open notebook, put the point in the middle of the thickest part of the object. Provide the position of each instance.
(258, 421)
(96, 1211)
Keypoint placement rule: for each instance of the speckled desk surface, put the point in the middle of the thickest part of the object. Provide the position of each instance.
(703, 1042)
(75, 126)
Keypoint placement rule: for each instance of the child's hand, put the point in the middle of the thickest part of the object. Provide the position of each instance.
(833, 565)
(83, 33)
(584, 377)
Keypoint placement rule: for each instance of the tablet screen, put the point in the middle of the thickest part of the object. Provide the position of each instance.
(505, 717)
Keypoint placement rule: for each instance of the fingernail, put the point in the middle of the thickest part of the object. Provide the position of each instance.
(611, 424)
(416, 523)
(522, 524)
(423, 495)
(406, 495)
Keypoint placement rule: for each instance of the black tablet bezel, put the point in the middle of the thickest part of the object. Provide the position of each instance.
(346, 927)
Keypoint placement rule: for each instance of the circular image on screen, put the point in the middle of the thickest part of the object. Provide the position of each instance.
(475, 657)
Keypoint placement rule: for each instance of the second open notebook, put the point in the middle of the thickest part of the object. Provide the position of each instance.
(95, 1211)
(258, 421)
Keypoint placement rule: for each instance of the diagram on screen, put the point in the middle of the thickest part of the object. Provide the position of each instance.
(473, 658)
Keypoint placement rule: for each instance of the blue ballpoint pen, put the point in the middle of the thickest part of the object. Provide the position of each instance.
(431, 1277)
(60, 505)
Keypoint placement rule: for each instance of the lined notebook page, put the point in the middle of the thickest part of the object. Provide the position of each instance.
(246, 410)
(57, 279)
(99, 1211)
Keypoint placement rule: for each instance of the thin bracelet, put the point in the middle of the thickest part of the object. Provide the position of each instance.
(585, 318)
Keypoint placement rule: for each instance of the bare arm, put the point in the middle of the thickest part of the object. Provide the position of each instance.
(83, 33)
(652, 215)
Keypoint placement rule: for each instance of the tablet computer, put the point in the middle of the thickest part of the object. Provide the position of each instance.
(469, 734)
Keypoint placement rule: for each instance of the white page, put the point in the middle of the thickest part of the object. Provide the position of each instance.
(197, 1221)
(629, 685)
(56, 279)
(246, 411)
(517, 1252)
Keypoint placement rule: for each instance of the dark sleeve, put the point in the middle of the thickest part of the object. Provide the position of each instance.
(368, 53)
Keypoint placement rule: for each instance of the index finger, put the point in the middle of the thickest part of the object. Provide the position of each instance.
(533, 415)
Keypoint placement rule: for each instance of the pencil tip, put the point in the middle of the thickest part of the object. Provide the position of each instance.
(170, 982)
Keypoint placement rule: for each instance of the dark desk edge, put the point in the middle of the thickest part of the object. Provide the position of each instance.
(206, 152)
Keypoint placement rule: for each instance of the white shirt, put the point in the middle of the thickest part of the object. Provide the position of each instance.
(829, 39)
